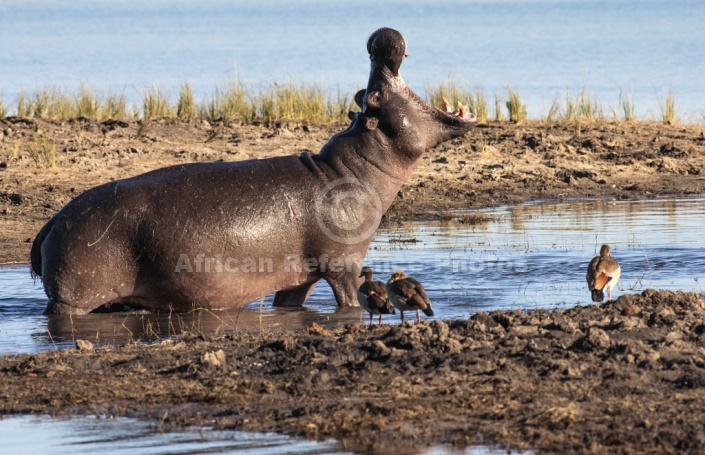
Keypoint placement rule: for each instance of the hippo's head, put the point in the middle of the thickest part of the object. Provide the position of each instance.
(389, 105)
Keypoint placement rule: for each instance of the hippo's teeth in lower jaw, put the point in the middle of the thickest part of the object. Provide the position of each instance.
(446, 104)
(462, 111)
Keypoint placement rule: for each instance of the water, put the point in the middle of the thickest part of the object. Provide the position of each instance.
(528, 256)
(541, 48)
(125, 436)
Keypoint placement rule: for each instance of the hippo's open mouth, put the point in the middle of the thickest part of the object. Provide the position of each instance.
(461, 112)
(387, 49)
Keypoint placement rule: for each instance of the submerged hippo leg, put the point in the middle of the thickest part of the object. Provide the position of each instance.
(294, 297)
(58, 307)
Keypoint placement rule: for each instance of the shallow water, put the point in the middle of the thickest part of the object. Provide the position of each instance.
(542, 48)
(527, 256)
(124, 436)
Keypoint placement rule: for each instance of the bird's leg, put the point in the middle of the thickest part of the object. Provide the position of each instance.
(380, 319)
(370, 318)
(402, 316)
(609, 293)
(418, 317)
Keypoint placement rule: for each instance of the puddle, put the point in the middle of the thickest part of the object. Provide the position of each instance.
(527, 256)
(125, 436)
(122, 436)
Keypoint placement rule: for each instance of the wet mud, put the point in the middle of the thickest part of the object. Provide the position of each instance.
(624, 377)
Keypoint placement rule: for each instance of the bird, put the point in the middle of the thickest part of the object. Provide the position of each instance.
(372, 296)
(603, 272)
(407, 294)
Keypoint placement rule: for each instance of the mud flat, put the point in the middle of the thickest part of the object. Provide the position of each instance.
(624, 377)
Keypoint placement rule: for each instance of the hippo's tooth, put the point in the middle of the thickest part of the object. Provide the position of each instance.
(461, 109)
(446, 104)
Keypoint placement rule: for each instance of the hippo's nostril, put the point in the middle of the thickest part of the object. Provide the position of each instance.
(387, 47)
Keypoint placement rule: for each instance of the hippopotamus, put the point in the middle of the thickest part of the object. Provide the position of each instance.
(224, 234)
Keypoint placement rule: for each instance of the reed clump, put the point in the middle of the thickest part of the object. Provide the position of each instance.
(498, 109)
(229, 103)
(186, 106)
(576, 110)
(518, 111)
(668, 108)
(43, 151)
(625, 105)
(87, 104)
(156, 105)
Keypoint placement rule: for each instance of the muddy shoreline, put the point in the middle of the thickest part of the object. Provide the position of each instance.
(624, 377)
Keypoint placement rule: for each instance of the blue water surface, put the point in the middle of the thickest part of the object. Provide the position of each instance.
(541, 48)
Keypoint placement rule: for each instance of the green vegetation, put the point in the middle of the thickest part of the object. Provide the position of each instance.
(186, 107)
(230, 103)
(626, 105)
(155, 104)
(668, 108)
(517, 110)
(43, 151)
(576, 110)
(301, 102)
(87, 104)
(498, 101)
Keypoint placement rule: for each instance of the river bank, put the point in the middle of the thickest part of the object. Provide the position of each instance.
(623, 377)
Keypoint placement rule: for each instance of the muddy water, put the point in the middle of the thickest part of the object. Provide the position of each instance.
(528, 256)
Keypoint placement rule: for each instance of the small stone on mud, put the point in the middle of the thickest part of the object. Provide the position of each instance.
(214, 358)
(595, 338)
(380, 349)
(441, 330)
(84, 345)
(283, 132)
(560, 322)
(316, 329)
(631, 310)
(481, 322)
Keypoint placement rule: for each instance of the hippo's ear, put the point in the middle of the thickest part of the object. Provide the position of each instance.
(360, 97)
